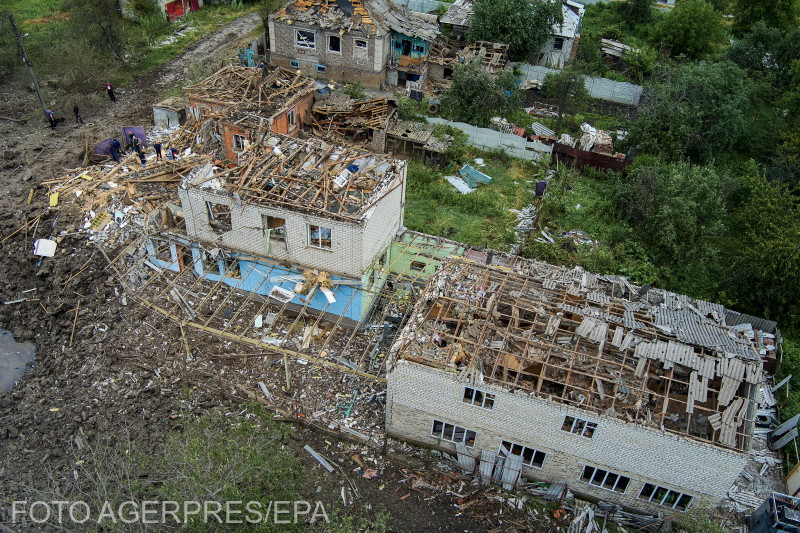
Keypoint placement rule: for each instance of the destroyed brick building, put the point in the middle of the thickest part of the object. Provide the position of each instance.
(369, 41)
(295, 212)
(639, 397)
(246, 102)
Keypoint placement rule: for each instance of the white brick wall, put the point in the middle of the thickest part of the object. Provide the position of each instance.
(417, 394)
(353, 244)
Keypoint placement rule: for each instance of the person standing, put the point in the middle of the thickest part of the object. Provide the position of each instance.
(136, 142)
(78, 117)
(110, 90)
(115, 146)
(143, 159)
(51, 117)
(157, 148)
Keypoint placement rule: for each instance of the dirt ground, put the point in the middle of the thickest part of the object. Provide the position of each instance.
(94, 374)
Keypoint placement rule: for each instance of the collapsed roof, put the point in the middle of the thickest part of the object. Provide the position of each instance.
(308, 175)
(254, 90)
(492, 57)
(596, 342)
(370, 17)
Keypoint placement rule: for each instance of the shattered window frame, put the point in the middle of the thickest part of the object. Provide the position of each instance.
(579, 426)
(319, 241)
(230, 267)
(478, 398)
(278, 232)
(338, 49)
(238, 142)
(418, 48)
(364, 44)
(160, 246)
(302, 40)
(453, 433)
(417, 266)
(219, 220)
(605, 479)
(666, 497)
(530, 456)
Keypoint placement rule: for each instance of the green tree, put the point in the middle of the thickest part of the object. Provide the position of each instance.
(675, 205)
(767, 54)
(100, 22)
(695, 111)
(475, 96)
(638, 11)
(568, 89)
(693, 28)
(522, 24)
(780, 14)
(762, 252)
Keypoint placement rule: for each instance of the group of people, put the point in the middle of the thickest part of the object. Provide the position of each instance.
(116, 147)
(141, 150)
(51, 117)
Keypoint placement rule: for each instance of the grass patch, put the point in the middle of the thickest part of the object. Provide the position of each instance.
(584, 203)
(481, 218)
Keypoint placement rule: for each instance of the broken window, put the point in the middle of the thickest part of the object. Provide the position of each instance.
(238, 142)
(334, 43)
(319, 237)
(294, 64)
(305, 39)
(605, 479)
(417, 265)
(292, 117)
(584, 428)
(530, 457)
(665, 497)
(230, 267)
(478, 397)
(453, 433)
(558, 43)
(418, 48)
(274, 227)
(219, 217)
(360, 49)
(162, 250)
(321, 68)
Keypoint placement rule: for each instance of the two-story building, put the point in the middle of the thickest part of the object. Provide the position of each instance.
(351, 40)
(637, 396)
(300, 222)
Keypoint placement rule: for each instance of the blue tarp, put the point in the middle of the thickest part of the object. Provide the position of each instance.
(473, 177)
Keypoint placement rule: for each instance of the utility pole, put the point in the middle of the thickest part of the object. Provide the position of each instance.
(27, 63)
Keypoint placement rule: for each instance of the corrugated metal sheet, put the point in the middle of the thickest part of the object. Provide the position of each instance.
(733, 318)
(599, 88)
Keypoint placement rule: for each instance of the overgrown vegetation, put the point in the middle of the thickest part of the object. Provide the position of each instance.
(476, 96)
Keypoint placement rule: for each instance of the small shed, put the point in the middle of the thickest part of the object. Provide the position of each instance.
(170, 113)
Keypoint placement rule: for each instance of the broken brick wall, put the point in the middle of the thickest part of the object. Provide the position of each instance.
(419, 394)
(349, 65)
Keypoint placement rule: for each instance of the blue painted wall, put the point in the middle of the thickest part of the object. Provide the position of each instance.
(254, 276)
